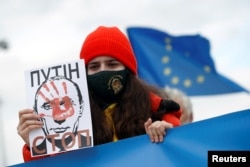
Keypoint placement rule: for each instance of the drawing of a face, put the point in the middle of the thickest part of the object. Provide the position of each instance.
(59, 102)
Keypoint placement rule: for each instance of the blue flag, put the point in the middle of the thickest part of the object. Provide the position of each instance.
(183, 62)
(186, 145)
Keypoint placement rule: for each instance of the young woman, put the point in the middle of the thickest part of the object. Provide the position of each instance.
(122, 105)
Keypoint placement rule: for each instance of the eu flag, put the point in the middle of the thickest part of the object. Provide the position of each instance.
(183, 62)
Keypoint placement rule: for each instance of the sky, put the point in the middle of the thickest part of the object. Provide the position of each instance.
(47, 31)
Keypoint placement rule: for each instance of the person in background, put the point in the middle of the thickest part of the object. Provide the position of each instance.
(184, 101)
(122, 105)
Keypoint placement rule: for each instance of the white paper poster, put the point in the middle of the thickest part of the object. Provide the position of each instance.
(59, 94)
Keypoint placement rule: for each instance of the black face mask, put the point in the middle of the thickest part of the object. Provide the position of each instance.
(108, 85)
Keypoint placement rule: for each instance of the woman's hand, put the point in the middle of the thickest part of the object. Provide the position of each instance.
(28, 121)
(157, 130)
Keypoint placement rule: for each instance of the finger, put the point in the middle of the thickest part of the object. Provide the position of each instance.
(24, 117)
(151, 136)
(29, 123)
(156, 138)
(154, 134)
(27, 129)
(158, 135)
(25, 111)
(147, 124)
(159, 130)
(163, 127)
(28, 116)
(161, 138)
(167, 125)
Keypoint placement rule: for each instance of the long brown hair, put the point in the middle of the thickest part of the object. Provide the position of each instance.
(129, 115)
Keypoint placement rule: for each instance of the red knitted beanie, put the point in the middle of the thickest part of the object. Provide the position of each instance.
(109, 41)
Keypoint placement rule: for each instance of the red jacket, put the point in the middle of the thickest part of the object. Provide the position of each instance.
(172, 117)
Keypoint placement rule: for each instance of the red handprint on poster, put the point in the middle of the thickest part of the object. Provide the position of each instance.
(59, 102)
